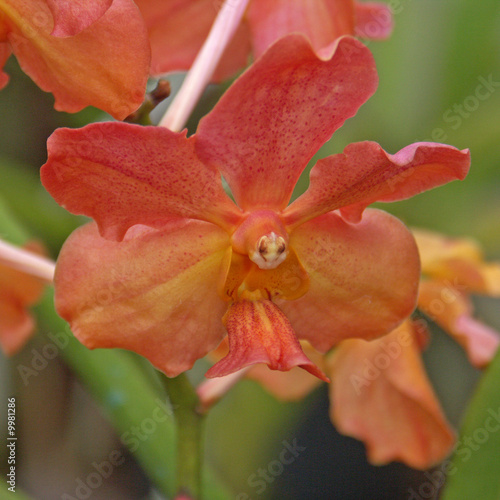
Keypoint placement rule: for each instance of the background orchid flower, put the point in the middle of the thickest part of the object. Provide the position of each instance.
(18, 291)
(76, 51)
(170, 254)
(454, 269)
(174, 47)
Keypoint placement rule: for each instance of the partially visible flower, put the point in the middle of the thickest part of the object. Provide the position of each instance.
(18, 291)
(174, 47)
(185, 257)
(453, 269)
(380, 394)
(76, 50)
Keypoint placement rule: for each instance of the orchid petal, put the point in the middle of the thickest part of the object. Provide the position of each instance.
(272, 120)
(72, 17)
(18, 291)
(365, 173)
(321, 21)
(258, 332)
(174, 47)
(380, 394)
(121, 175)
(153, 293)
(373, 20)
(458, 260)
(4, 55)
(363, 278)
(452, 310)
(292, 385)
(86, 69)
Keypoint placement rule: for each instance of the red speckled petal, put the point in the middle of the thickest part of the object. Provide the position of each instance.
(373, 20)
(154, 293)
(293, 385)
(321, 21)
(259, 332)
(363, 278)
(276, 116)
(381, 395)
(365, 173)
(121, 175)
(71, 17)
(88, 69)
(174, 46)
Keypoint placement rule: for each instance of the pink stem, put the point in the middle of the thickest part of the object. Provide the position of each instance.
(204, 65)
(26, 261)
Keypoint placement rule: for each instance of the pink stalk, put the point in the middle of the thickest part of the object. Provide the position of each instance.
(26, 261)
(204, 65)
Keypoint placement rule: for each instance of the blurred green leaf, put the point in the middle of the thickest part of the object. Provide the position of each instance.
(476, 466)
(20, 186)
(10, 228)
(123, 390)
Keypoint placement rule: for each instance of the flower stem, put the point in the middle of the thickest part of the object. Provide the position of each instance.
(190, 424)
(26, 261)
(204, 65)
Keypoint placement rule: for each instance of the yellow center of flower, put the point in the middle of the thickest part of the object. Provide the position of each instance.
(261, 262)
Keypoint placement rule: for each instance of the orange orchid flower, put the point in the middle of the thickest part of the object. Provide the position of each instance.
(75, 50)
(174, 47)
(170, 254)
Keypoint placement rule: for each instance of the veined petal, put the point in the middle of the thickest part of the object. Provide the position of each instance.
(365, 173)
(281, 111)
(174, 47)
(322, 21)
(373, 20)
(86, 69)
(452, 310)
(363, 278)
(292, 385)
(258, 332)
(121, 175)
(154, 293)
(76, 15)
(380, 395)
